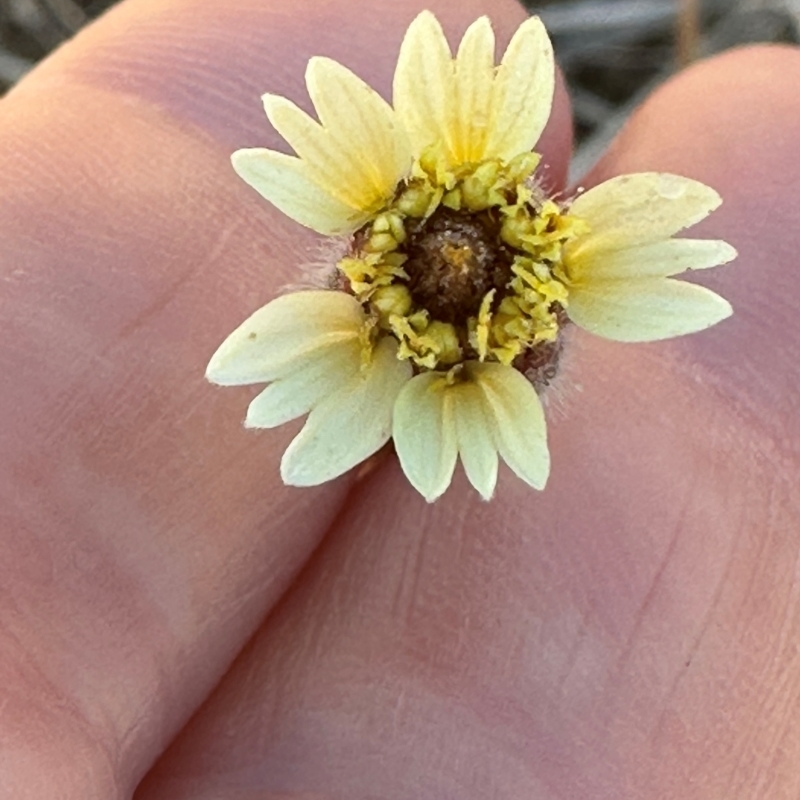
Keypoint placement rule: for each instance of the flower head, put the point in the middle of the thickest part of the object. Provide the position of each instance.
(444, 319)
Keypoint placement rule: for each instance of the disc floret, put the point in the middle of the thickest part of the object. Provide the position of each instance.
(465, 263)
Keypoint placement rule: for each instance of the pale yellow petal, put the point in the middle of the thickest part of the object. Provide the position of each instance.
(646, 309)
(522, 95)
(424, 434)
(377, 154)
(287, 183)
(476, 446)
(423, 85)
(316, 377)
(325, 161)
(355, 155)
(638, 209)
(518, 424)
(474, 77)
(349, 425)
(280, 335)
(661, 259)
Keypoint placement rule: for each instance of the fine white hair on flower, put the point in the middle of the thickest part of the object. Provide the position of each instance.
(454, 268)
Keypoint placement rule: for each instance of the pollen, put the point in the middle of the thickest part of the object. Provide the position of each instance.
(466, 265)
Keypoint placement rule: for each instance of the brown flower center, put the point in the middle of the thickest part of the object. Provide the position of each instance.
(454, 259)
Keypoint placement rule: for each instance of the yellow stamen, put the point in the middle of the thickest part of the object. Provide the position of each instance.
(512, 318)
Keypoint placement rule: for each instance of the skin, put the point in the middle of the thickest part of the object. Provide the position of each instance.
(631, 632)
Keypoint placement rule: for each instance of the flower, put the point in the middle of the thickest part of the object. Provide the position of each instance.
(444, 319)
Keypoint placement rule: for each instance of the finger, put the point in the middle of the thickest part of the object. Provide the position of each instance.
(627, 633)
(146, 534)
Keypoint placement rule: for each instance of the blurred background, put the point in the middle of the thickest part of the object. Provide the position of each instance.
(614, 52)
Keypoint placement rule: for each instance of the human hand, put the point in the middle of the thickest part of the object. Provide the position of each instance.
(630, 632)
